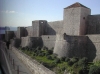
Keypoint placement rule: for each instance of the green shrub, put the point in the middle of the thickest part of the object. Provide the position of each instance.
(44, 48)
(70, 63)
(49, 57)
(54, 56)
(46, 54)
(50, 52)
(49, 65)
(75, 65)
(74, 60)
(67, 59)
(94, 70)
(38, 48)
(43, 54)
(63, 58)
(39, 54)
(83, 61)
(57, 60)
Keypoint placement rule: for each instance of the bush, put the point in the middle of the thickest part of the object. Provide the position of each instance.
(70, 63)
(63, 58)
(43, 54)
(50, 52)
(46, 54)
(67, 59)
(57, 60)
(54, 56)
(49, 65)
(83, 61)
(49, 57)
(94, 70)
(44, 48)
(75, 65)
(74, 60)
(39, 54)
(38, 48)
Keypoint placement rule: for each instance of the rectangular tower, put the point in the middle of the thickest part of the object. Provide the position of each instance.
(39, 27)
(20, 32)
(74, 19)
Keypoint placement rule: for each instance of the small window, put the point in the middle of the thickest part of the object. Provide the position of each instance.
(84, 18)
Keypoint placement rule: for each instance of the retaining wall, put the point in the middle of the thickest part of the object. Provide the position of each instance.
(33, 65)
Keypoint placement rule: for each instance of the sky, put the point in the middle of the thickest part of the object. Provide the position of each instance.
(22, 12)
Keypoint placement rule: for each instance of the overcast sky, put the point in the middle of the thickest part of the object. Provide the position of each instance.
(23, 12)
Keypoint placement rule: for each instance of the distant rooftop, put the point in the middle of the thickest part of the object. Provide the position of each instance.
(77, 4)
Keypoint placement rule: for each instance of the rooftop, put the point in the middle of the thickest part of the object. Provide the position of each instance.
(77, 4)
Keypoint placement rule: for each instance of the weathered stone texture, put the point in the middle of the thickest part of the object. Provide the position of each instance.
(39, 27)
(49, 40)
(74, 24)
(93, 47)
(30, 41)
(29, 31)
(54, 27)
(70, 46)
(93, 23)
(85, 12)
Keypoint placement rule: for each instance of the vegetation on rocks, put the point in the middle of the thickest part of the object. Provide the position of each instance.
(59, 65)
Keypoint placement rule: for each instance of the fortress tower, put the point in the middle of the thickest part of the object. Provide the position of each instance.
(74, 19)
(39, 27)
(74, 25)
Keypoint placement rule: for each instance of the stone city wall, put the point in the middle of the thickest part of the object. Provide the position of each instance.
(29, 31)
(9, 35)
(30, 41)
(34, 66)
(70, 46)
(93, 23)
(93, 47)
(54, 27)
(49, 40)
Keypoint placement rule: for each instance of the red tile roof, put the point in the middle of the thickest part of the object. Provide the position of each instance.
(77, 4)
